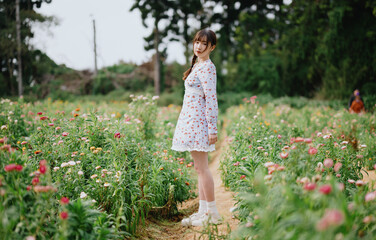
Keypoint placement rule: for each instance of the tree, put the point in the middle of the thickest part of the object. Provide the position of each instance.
(8, 43)
(157, 10)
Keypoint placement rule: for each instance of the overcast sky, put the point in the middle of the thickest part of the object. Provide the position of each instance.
(119, 34)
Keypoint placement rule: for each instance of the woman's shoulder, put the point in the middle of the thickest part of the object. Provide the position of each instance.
(207, 65)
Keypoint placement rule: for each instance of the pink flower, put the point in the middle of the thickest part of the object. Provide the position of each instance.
(253, 99)
(337, 166)
(10, 167)
(236, 164)
(117, 135)
(326, 189)
(65, 134)
(332, 217)
(299, 139)
(279, 136)
(359, 183)
(284, 154)
(308, 140)
(370, 196)
(351, 181)
(242, 177)
(310, 186)
(51, 124)
(57, 128)
(312, 151)
(328, 163)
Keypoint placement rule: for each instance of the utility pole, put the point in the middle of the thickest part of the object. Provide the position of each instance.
(95, 50)
(19, 61)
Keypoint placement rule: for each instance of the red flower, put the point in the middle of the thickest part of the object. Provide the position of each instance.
(242, 176)
(35, 181)
(312, 150)
(39, 113)
(310, 186)
(326, 189)
(64, 200)
(63, 215)
(43, 118)
(299, 139)
(18, 168)
(28, 188)
(117, 135)
(65, 134)
(10, 167)
(42, 169)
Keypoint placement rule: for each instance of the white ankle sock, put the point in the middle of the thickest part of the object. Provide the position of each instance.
(212, 208)
(202, 207)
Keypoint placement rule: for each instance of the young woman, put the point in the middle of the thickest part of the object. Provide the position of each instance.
(196, 130)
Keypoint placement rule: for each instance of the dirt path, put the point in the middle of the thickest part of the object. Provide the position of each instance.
(172, 229)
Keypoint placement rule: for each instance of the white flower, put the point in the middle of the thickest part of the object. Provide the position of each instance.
(155, 98)
(4, 127)
(98, 181)
(56, 168)
(78, 162)
(319, 134)
(363, 146)
(104, 170)
(327, 136)
(97, 167)
(94, 176)
(106, 184)
(131, 96)
(268, 177)
(80, 173)
(93, 201)
(64, 164)
(83, 195)
(343, 147)
(344, 142)
(269, 164)
(72, 163)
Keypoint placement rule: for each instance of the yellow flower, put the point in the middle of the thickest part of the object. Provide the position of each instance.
(92, 148)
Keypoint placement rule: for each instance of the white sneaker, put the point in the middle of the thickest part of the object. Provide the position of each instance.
(186, 222)
(207, 219)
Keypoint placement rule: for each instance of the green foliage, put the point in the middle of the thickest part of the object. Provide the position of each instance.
(105, 156)
(273, 201)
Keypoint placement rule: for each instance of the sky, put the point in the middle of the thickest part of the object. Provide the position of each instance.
(119, 34)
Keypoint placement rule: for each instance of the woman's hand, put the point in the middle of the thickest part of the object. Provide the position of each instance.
(212, 138)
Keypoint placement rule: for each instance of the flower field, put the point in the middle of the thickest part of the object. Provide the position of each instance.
(83, 170)
(298, 172)
(88, 170)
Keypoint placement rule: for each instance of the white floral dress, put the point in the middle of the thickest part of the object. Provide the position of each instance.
(198, 117)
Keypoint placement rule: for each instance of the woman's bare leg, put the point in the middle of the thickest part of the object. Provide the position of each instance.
(205, 178)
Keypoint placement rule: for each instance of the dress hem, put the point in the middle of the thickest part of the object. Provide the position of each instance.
(183, 149)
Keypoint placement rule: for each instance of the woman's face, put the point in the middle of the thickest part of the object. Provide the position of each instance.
(202, 49)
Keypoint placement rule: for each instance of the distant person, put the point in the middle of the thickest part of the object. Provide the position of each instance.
(357, 105)
(353, 96)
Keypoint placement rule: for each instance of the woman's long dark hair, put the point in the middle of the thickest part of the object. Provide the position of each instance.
(202, 35)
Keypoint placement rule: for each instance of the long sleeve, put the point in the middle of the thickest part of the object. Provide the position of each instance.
(208, 79)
